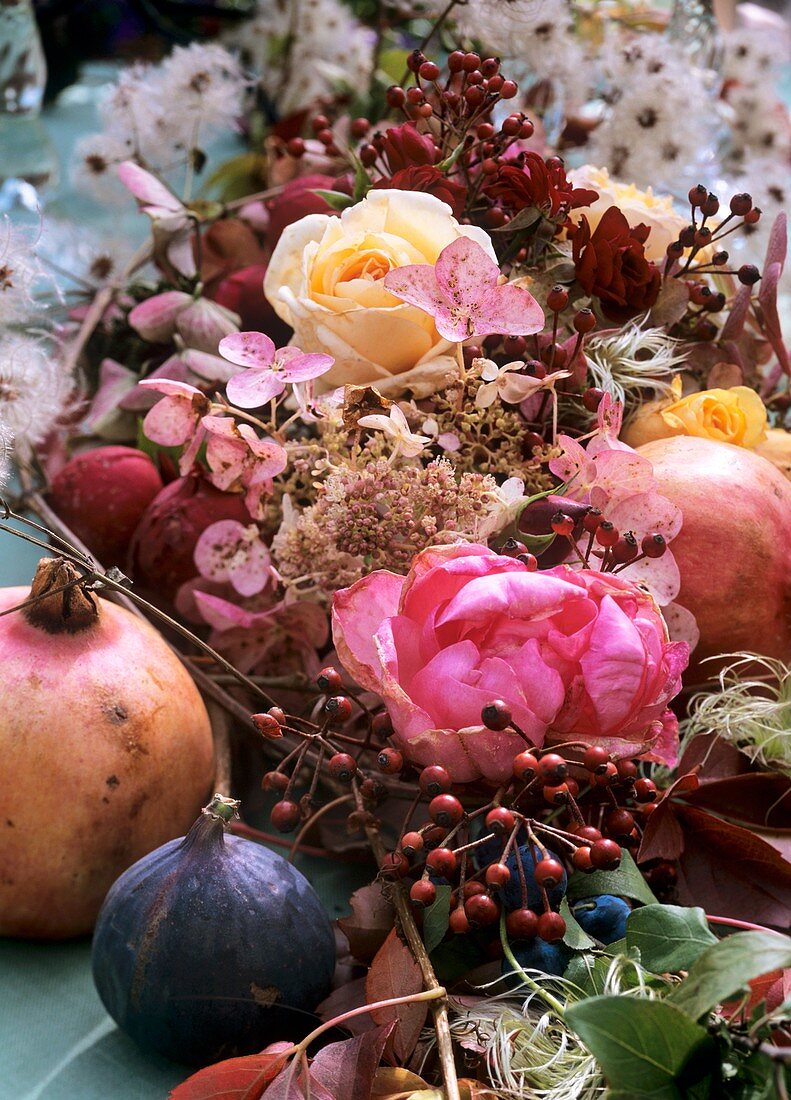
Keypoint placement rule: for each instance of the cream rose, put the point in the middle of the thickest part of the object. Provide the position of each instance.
(736, 416)
(326, 280)
(655, 211)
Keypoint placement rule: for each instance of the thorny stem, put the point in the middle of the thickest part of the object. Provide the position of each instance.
(418, 948)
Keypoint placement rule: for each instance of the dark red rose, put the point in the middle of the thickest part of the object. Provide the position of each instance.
(539, 183)
(243, 292)
(425, 177)
(297, 199)
(227, 246)
(405, 147)
(611, 264)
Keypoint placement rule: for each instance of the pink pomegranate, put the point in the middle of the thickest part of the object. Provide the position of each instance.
(734, 549)
(106, 752)
(161, 552)
(101, 495)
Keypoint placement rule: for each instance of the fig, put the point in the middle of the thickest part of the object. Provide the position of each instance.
(212, 946)
(97, 718)
(101, 495)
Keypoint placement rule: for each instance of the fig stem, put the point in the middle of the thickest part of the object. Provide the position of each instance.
(222, 809)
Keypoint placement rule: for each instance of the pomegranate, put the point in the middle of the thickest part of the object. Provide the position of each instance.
(106, 747)
(734, 549)
(160, 556)
(101, 495)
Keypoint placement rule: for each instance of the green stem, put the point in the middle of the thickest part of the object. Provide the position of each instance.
(553, 1003)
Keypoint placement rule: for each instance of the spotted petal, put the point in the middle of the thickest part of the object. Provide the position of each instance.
(253, 388)
(170, 422)
(248, 349)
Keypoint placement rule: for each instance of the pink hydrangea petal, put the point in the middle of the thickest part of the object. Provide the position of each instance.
(170, 387)
(253, 388)
(621, 474)
(357, 613)
(248, 349)
(270, 459)
(225, 458)
(252, 574)
(510, 310)
(155, 318)
(661, 576)
(180, 251)
(170, 422)
(216, 546)
(417, 285)
(573, 465)
(301, 368)
(464, 271)
(224, 615)
(147, 188)
(646, 514)
(682, 625)
(190, 452)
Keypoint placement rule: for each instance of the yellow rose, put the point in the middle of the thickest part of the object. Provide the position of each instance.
(736, 416)
(777, 449)
(655, 211)
(326, 280)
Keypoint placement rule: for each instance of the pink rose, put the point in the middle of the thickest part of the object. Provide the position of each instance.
(579, 653)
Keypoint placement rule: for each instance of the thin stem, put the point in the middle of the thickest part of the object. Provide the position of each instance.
(312, 821)
(436, 993)
(553, 1003)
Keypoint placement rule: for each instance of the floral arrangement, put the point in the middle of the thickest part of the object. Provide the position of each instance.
(462, 476)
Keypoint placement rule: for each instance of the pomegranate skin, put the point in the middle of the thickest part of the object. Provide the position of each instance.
(107, 753)
(734, 548)
(101, 495)
(160, 555)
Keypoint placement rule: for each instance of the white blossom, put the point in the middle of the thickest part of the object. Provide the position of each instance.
(19, 271)
(34, 389)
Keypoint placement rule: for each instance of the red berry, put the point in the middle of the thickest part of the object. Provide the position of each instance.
(339, 708)
(343, 767)
(551, 927)
(278, 714)
(496, 715)
(267, 726)
(741, 204)
(627, 769)
(608, 776)
(752, 216)
(514, 345)
(445, 810)
(606, 534)
(442, 861)
(326, 137)
(645, 790)
(512, 125)
(556, 795)
(415, 60)
(521, 924)
(710, 205)
(456, 61)
(525, 766)
(274, 781)
(619, 823)
(548, 873)
(470, 62)
(481, 909)
(411, 844)
(473, 887)
(433, 837)
(423, 893)
(511, 548)
(429, 70)
(625, 549)
(434, 780)
(592, 398)
(596, 759)
(295, 147)
(553, 767)
(497, 875)
(500, 820)
(373, 791)
(329, 680)
(581, 859)
(485, 131)
(390, 761)
(587, 832)
(557, 299)
(395, 96)
(368, 154)
(381, 726)
(509, 89)
(530, 561)
(526, 130)
(653, 546)
(285, 816)
(475, 96)
(748, 274)
(573, 786)
(562, 524)
(458, 922)
(584, 320)
(697, 195)
(605, 855)
(395, 863)
(592, 520)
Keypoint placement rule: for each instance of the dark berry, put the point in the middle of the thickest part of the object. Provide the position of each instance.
(442, 861)
(557, 299)
(339, 708)
(592, 520)
(653, 546)
(748, 274)
(525, 766)
(329, 679)
(411, 844)
(267, 726)
(741, 204)
(458, 922)
(342, 766)
(645, 790)
(608, 776)
(482, 910)
(587, 832)
(605, 855)
(553, 767)
(592, 398)
(551, 927)
(423, 893)
(395, 863)
(627, 769)
(596, 759)
(584, 321)
(603, 917)
(285, 816)
(496, 715)
(274, 781)
(619, 823)
(497, 875)
(521, 924)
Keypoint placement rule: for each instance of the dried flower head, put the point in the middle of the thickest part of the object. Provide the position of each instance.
(34, 389)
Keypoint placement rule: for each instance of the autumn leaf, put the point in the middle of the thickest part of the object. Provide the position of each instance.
(346, 997)
(347, 1069)
(373, 917)
(235, 1078)
(394, 973)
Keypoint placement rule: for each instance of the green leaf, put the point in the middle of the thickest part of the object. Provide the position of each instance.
(435, 919)
(393, 64)
(537, 544)
(642, 1046)
(523, 220)
(455, 957)
(336, 199)
(588, 972)
(669, 937)
(727, 967)
(625, 882)
(575, 937)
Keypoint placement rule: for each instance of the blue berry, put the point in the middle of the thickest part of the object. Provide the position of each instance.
(549, 958)
(603, 917)
(511, 894)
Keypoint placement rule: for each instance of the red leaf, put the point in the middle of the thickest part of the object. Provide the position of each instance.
(347, 1069)
(716, 759)
(290, 1084)
(730, 871)
(740, 308)
(235, 1078)
(372, 919)
(394, 973)
(344, 999)
(762, 799)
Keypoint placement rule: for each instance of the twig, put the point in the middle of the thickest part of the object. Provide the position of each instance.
(312, 821)
(439, 1007)
(221, 729)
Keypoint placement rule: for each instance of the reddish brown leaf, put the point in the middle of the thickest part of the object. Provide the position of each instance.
(664, 837)
(715, 758)
(236, 1078)
(762, 799)
(730, 871)
(347, 1069)
(394, 973)
(371, 921)
(344, 999)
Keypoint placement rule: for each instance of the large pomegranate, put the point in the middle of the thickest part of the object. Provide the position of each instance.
(106, 752)
(734, 549)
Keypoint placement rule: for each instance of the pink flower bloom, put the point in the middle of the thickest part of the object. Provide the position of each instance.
(508, 385)
(239, 460)
(396, 426)
(176, 419)
(269, 370)
(463, 294)
(199, 322)
(582, 654)
(229, 551)
(172, 220)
